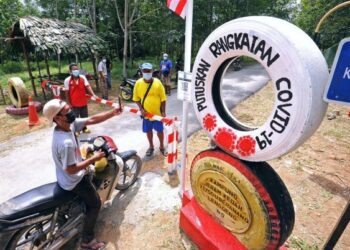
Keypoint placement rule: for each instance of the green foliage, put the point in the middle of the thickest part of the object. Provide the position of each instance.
(9, 67)
(297, 243)
(334, 28)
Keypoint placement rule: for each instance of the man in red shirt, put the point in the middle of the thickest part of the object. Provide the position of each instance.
(76, 87)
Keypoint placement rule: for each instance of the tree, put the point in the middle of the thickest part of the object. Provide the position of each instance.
(10, 12)
(131, 15)
(334, 28)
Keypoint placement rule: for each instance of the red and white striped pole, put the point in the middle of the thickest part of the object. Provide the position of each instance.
(173, 134)
(166, 120)
(56, 89)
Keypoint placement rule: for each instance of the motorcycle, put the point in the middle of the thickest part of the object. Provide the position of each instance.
(237, 64)
(47, 217)
(128, 84)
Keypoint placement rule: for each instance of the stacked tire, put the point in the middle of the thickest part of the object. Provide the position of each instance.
(19, 98)
(235, 171)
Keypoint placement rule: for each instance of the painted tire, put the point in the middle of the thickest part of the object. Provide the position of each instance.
(12, 110)
(295, 65)
(18, 92)
(248, 198)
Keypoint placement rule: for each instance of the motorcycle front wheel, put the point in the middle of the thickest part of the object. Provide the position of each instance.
(131, 171)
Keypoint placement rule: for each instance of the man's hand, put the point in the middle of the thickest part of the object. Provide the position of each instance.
(98, 155)
(163, 114)
(118, 111)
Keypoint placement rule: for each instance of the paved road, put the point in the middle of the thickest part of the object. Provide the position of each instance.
(26, 160)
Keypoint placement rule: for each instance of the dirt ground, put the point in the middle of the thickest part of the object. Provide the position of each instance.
(316, 174)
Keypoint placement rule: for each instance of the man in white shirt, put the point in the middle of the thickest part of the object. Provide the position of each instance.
(102, 72)
(70, 168)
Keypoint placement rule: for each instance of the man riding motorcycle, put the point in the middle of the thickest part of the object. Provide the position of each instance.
(70, 168)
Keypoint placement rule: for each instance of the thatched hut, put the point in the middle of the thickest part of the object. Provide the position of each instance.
(46, 36)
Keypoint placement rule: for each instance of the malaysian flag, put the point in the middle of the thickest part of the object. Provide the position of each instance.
(178, 6)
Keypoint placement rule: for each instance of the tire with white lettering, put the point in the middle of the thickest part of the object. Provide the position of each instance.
(247, 198)
(18, 92)
(299, 74)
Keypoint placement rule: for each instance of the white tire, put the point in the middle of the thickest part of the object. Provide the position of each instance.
(18, 92)
(299, 73)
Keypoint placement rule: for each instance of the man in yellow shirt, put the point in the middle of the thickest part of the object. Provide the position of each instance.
(149, 94)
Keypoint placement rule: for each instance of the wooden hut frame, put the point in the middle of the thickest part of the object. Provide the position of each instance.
(45, 36)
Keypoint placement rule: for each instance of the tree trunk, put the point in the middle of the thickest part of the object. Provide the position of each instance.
(130, 49)
(75, 11)
(26, 56)
(126, 35)
(58, 54)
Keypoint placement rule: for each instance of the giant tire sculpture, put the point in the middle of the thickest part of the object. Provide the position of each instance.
(248, 198)
(12, 110)
(299, 73)
(18, 92)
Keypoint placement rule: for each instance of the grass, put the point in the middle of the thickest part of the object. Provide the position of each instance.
(297, 243)
(117, 67)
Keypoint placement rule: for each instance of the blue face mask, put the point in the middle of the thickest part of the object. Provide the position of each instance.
(147, 76)
(75, 72)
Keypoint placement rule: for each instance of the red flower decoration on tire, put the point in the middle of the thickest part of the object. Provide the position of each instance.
(246, 146)
(209, 122)
(225, 138)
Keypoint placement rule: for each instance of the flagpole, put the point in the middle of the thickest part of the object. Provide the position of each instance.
(185, 104)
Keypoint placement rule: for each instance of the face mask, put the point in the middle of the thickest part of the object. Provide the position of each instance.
(147, 76)
(75, 72)
(104, 60)
(165, 58)
(70, 116)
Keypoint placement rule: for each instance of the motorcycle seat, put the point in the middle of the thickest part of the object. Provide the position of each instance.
(127, 154)
(33, 201)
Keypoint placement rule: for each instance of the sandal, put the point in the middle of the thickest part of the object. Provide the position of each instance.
(149, 151)
(163, 152)
(93, 245)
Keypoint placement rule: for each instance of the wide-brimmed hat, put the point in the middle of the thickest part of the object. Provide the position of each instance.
(52, 108)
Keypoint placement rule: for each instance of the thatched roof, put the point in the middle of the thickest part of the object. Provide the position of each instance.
(57, 36)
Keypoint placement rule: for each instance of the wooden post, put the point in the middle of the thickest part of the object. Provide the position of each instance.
(47, 65)
(81, 66)
(40, 76)
(59, 62)
(2, 94)
(95, 74)
(37, 63)
(26, 56)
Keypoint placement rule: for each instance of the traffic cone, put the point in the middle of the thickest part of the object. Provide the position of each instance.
(33, 116)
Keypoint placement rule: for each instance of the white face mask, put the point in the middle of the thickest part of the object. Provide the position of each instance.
(147, 76)
(104, 60)
(165, 58)
(75, 72)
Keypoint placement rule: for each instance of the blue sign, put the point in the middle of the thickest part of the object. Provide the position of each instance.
(338, 87)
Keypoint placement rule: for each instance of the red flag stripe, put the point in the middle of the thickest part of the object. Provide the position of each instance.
(179, 8)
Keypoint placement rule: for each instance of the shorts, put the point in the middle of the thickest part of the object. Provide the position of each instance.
(81, 112)
(148, 125)
(165, 73)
